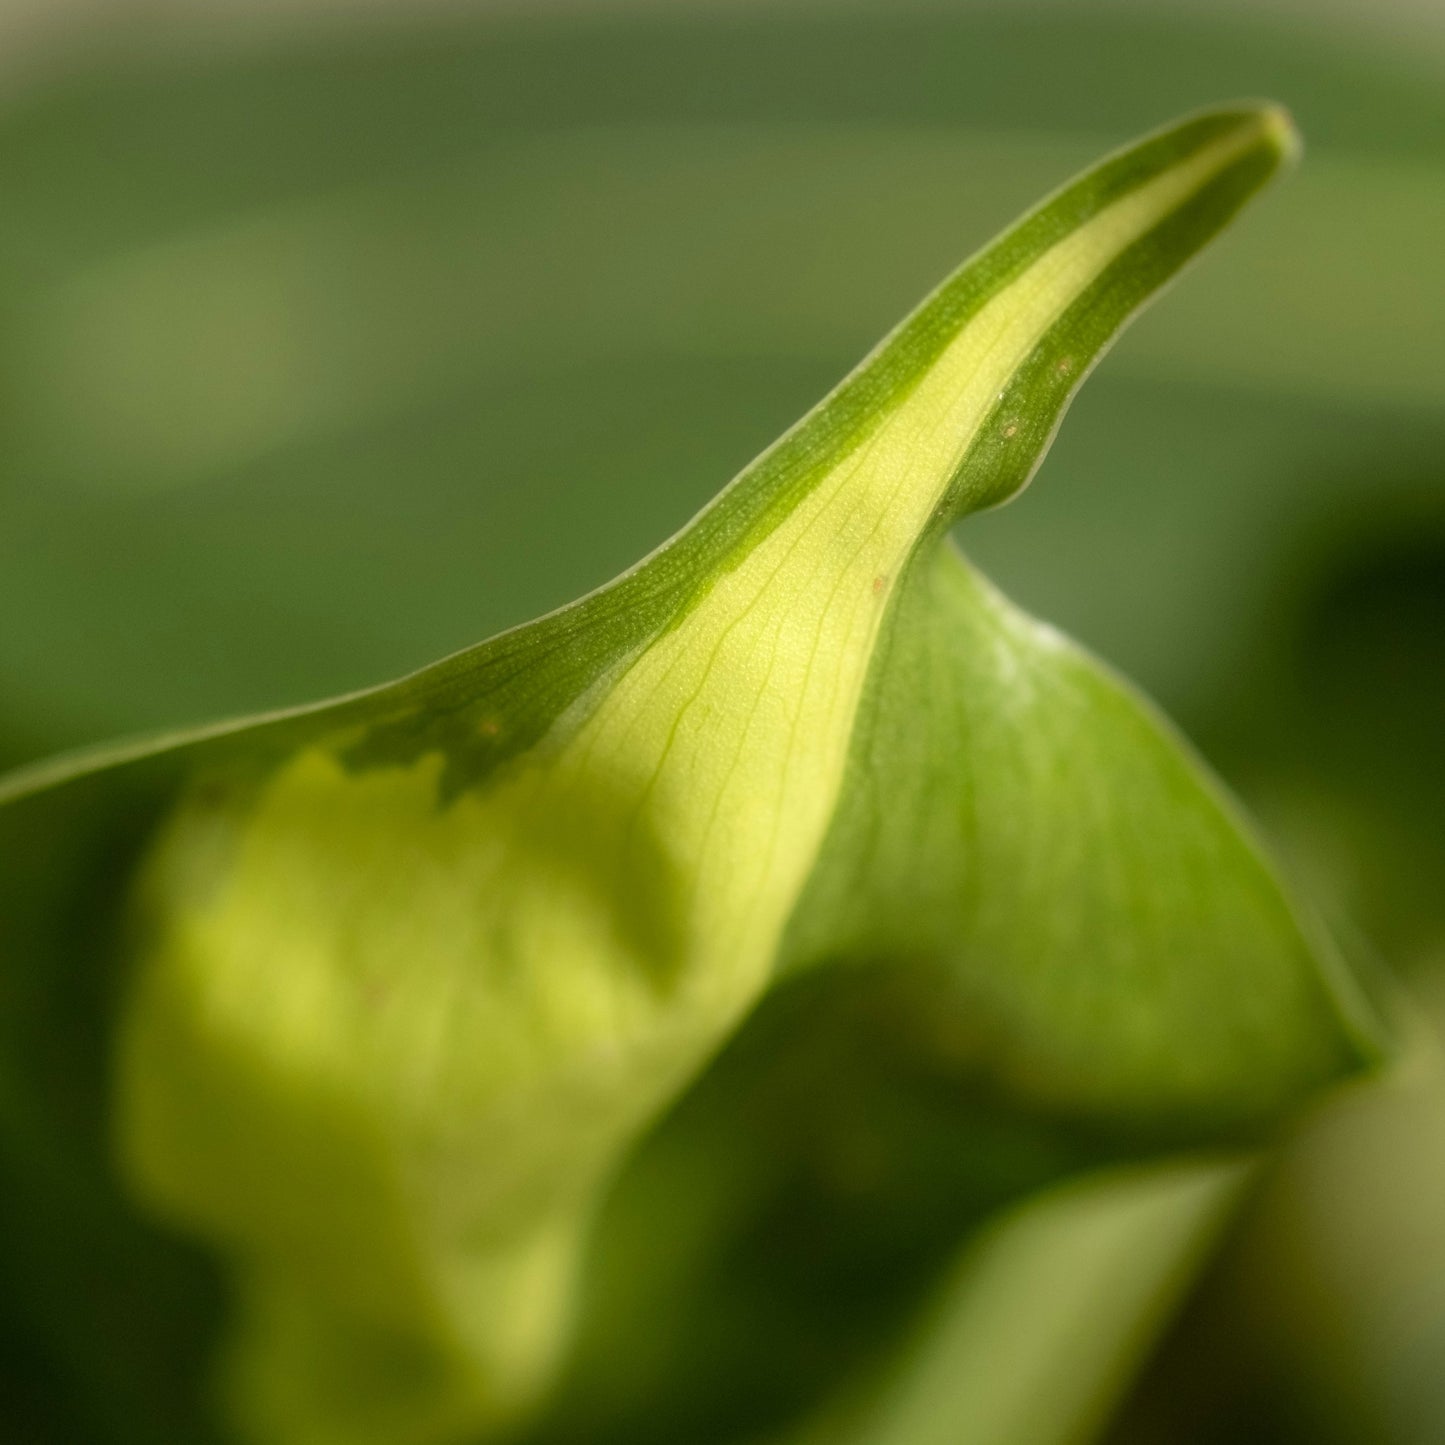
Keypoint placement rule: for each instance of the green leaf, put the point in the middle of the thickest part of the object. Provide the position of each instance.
(1046, 1315)
(1022, 822)
(401, 978)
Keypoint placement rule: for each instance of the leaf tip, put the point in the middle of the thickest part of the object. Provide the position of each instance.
(1278, 129)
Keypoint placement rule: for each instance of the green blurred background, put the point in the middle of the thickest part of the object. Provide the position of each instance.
(336, 336)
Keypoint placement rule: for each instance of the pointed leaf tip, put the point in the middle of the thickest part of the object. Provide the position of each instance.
(1279, 126)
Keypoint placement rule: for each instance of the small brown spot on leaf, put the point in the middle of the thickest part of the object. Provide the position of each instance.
(374, 994)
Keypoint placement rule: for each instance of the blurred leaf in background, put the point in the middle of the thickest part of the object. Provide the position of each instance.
(263, 286)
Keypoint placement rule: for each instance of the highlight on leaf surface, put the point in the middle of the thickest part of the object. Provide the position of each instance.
(395, 983)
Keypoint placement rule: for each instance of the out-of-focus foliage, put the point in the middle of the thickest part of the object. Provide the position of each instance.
(260, 444)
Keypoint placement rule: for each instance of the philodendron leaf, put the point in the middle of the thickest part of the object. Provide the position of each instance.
(403, 976)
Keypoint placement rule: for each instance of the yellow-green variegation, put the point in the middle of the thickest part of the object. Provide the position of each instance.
(372, 999)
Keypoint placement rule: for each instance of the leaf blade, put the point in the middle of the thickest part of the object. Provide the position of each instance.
(442, 949)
